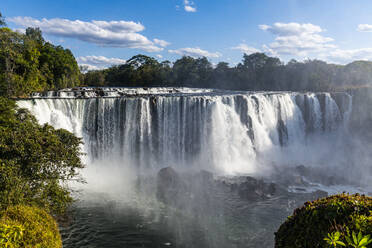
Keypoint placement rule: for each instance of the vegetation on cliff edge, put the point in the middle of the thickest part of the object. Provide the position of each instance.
(36, 161)
(312, 225)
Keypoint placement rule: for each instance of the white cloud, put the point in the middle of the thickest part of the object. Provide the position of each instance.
(98, 62)
(296, 39)
(159, 56)
(305, 40)
(20, 30)
(104, 33)
(161, 43)
(364, 28)
(246, 49)
(195, 52)
(292, 28)
(88, 67)
(189, 6)
(347, 55)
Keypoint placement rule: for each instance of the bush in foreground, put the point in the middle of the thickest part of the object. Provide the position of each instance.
(344, 218)
(24, 226)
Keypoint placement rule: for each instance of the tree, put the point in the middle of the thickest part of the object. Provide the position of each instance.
(29, 64)
(357, 73)
(11, 51)
(223, 76)
(192, 72)
(140, 70)
(59, 67)
(35, 34)
(145, 71)
(257, 71)
(35, 161)
(94, 78)
(2, 20)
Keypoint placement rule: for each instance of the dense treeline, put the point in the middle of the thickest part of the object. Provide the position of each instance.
(28, 63)
(256, 72)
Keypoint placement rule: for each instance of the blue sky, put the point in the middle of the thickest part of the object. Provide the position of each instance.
(101, 33)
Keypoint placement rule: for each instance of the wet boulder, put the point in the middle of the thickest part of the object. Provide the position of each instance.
(302, 170)
(204, 178)
(319, 194)
(170, 186)
(100, 92)
(253, 189)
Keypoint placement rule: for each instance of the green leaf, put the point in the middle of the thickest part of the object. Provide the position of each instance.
(360, 236)
(340, 243)
(348, 240)
(355, 239)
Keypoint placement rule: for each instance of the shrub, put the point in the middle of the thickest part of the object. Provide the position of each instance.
(316, 222)
(11, 235)
(28, 227)
(36, 162)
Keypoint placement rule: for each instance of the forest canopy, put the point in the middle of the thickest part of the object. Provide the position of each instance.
(28, 63)
(257, 71)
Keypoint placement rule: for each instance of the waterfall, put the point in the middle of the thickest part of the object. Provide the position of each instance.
(229, 131)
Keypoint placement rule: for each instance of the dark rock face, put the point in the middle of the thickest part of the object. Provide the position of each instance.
(100, 92)
(170, 186)
(205, 177)
(320, 194)
(305, 176)
(253, 189)
(302, 170)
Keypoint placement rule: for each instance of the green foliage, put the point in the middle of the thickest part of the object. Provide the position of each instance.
(29, 64)
(11, 236)
(94, 78)
(358, 241)
(323, 222)
(35, 161)
(28, 227)
(333, 239)
(191, 72)
(257, 71)
(353, 240)
(140, 70)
